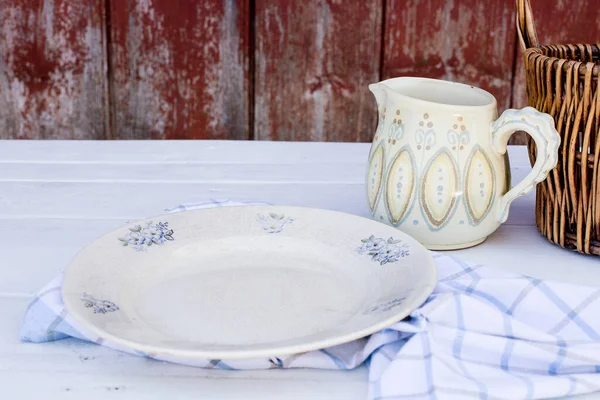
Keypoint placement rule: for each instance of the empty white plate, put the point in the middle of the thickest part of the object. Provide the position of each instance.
(249, 281)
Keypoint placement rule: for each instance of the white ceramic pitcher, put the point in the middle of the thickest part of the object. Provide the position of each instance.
(438, 168)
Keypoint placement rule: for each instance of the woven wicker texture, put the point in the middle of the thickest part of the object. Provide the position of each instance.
(562, 80)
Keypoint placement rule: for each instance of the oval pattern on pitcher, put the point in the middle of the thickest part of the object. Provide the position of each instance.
(400, 186)
(375, 176)
(438, 189)
(480, 185)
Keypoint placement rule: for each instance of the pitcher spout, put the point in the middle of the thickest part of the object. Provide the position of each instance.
(378, 90)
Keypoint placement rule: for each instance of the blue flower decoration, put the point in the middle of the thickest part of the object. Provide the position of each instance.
(273, 223)
(141, 237)
(384, 251)
(99, 306)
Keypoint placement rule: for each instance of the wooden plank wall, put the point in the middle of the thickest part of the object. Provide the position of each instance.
(179, 69)
(250, 69)
(459, 40)
(53, 75)
(313, 62)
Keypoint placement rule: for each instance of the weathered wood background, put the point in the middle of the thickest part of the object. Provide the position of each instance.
(250, 69)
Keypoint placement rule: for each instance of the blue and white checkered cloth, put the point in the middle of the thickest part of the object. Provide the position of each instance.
(483, 333)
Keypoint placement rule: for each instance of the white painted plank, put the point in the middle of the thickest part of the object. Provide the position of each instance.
(89, 371)
(139, 199)
(229, 385)
(522, 249)
(330, 172)
(181, 152)
(35, 251)
(89, 190)
(194, 151)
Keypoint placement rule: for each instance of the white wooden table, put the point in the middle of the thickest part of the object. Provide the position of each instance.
(57, 196)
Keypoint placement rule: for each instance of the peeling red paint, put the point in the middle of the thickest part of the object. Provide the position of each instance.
(180, 69)
(183, 69)
(314, 60)
(52, 73)
(458, 40)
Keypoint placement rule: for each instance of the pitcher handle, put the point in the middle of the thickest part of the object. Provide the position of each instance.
(541, 128)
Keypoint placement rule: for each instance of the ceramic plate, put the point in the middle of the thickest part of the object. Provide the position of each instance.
(249, 281)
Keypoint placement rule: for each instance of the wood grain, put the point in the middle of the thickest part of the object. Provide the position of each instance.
(52, 69)
(459, 40)
(314, 60)
(245, 69)
(179, 69)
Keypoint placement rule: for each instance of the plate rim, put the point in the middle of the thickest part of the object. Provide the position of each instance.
(266, 352)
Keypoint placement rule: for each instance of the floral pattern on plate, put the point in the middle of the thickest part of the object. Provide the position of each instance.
(98, 306)
(141, 237)
(386, 306)
(384, 251)
(273, 223)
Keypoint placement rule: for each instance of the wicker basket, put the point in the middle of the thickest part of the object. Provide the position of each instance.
(562, 80)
